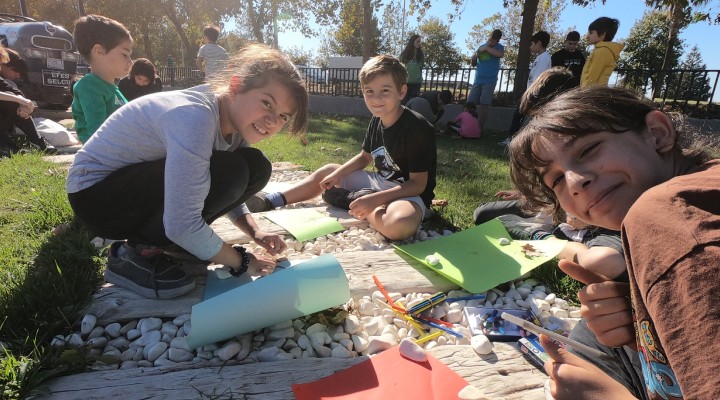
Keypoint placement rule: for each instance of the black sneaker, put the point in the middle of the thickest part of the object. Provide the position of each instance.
(149, 273)
(43, 146)
(259, 203)
(342, 198)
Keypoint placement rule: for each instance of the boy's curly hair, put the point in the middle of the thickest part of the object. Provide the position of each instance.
(577, 113)
(96, 29)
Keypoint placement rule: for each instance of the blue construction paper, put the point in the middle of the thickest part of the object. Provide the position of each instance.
(306, 288)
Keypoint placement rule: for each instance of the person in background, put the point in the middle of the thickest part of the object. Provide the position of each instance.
(538, 46)
(465, 125)
(142, 80)
(414, 59)
(106, 45)
(487, 62)
(569, 56)
(431, 105)
(601, 63)
(15, 108)
(211, 57)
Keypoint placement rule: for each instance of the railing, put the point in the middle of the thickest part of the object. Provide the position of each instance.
(180, 76)
(690, 90)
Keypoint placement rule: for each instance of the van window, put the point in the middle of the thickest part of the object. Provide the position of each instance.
(51, 43)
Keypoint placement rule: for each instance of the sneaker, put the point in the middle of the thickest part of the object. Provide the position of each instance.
(43, 146)
(342, 198)
(259, 203)
(149, 273)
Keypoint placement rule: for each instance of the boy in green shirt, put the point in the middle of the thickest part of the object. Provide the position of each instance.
(106, 45)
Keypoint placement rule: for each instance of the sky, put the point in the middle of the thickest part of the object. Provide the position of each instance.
(627, 11)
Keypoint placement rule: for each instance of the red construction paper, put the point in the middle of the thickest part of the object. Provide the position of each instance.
(388, 375)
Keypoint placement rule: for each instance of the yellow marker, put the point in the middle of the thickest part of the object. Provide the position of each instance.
(429, 337)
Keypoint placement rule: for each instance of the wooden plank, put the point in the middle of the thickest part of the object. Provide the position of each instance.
(397, 274)
(505, 374)
(231, 234)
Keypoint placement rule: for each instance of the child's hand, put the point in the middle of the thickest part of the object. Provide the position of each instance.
(362, 207)
(573, 378)
(508, 195)
(260, 265)
(605, 306)
(271, 242)
(330, 181)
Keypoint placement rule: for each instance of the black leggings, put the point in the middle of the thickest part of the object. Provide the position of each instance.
(128, 203)
(9, 120)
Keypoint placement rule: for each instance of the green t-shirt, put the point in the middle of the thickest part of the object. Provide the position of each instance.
(93, 101)
(414, 70)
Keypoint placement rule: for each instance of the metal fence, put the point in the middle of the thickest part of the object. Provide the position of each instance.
(692, 90)
(180, 76)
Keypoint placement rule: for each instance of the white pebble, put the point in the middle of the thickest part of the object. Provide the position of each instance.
(481, 344)
(340, 352)
(411, 350)
(377, 344)
(432, 259)
(87, 324)
(155, 351)
(113, 330)
(503, 241)
(471, 392)
(229, 350)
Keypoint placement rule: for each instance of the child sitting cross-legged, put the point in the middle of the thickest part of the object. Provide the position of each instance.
(613, 160)
(399, 143)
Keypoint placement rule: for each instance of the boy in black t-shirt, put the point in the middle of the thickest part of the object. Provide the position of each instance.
(399, 143)
(569, 57)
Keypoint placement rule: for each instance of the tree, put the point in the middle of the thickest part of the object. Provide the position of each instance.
(692, 82)
(350, 35)
(438, 45)
(645, 48)
(395, 28)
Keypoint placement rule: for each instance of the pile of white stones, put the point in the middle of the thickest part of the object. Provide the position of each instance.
(370, 326)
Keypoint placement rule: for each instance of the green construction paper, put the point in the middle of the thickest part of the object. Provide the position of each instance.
(475, 260)
(306, 288)
(305, 223)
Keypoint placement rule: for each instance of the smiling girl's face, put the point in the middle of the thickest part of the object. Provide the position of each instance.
(256, 113)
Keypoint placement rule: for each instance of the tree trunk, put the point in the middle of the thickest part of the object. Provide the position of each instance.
(172, 17)
(145, 30)
(677, 14)
(256, 26)
(523, 61)
(367, 29)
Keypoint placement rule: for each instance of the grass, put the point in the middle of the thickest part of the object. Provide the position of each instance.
(46, 279)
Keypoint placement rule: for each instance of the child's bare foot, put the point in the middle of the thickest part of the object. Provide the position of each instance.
(439, 203)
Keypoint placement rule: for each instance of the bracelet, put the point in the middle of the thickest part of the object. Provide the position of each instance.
(244, 265)
(540, 234)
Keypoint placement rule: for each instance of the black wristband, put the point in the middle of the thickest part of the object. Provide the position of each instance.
(244, 265)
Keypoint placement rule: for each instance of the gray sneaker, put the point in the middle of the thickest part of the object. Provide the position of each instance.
(149, 273)
(259, 203)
